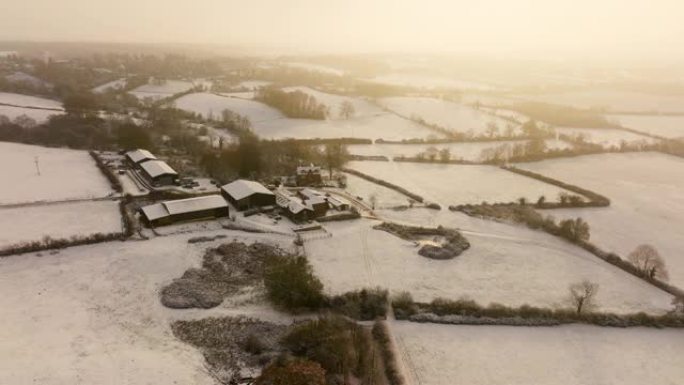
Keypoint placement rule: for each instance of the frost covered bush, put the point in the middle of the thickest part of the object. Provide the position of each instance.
(365, 304)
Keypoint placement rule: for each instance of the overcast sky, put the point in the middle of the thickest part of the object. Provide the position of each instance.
(567, 26)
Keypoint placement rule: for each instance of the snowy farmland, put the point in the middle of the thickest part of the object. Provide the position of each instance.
(606, 137)
(525, 268)
(660, 125)
(647, 204)
(453, 116)
(92, 315)
(110, 86)
(366, 190)
(334, 102)
(270, 123)
(431, 82)
(58, 221)
(449, 184)
(64, 174)
(20, 100)
(565, 355)
(162, 90)
(39, 115)
(208, 104)
(613, 101)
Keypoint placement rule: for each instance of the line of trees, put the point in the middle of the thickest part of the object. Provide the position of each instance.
(295, 104)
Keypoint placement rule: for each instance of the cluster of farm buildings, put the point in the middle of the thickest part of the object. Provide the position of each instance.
(247, 196)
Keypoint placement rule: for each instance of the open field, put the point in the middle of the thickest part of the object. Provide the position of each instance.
(453, 116)
(661, 125)
(606, 137)
(527, 268)
(647, 204)
(207, 104)
(163, 90)
(64, 174)
(334, 102)
(430, 82)
(613, 101)
(450, 184)
(564, 355)
(458, 151)
(64, 220)
(385, 197)
(113, 85)
(39, 115)
(92, 315)
(21, 100)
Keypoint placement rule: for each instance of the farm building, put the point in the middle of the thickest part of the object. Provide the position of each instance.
(297, 211)
(309, 176)
(158, 173)
(136, 157)
(246, 194)
(165, 213)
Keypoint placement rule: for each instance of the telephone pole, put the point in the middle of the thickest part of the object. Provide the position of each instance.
(37, 160)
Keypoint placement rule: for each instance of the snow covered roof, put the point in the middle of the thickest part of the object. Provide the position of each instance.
(155, 211)
(296, 207)
(182, 206)
(316, 200)
(310, 193)
(137, 156)
(243, 188)
(155, 168)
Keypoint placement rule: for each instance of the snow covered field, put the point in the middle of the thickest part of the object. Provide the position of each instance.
(334, 102)
(453, 116)
(270, 123)
(462, 151)
(431, 82)
(92, 315)
(613, 101)
(647, 204)
(64, 220)
(450, 184)
(113, 85)
(661, 125)
(359, 187)
(383, 126)
(565, 355)
(211, 104)
(522, 267)
(606, 137)
(163, 90)
(39, 115)
(64, 174)
(21, 100)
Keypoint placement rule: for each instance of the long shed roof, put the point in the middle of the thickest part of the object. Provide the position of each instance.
(156, 168)
(183, 206)
(137, 156)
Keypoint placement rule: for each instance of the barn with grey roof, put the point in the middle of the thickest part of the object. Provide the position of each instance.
(246, 194)
(182, 210)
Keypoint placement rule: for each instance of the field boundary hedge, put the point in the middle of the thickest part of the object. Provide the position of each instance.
(382, 336)
(383, 183)
(595, 199)
(468, 312)
(51, 244)
(108, 173)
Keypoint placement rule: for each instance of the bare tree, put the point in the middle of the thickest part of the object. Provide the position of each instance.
(373, 200)
(647, 259)
(582, 295)
(347, 109)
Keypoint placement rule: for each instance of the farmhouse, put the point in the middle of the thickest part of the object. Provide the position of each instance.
(136, 157)
(246, 194)
(309, 176)
(165, 213)
(158, 173)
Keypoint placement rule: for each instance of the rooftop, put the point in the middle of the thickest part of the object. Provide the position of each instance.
(155, 168)
(139, 155)
(182, 206)
(242, 188)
